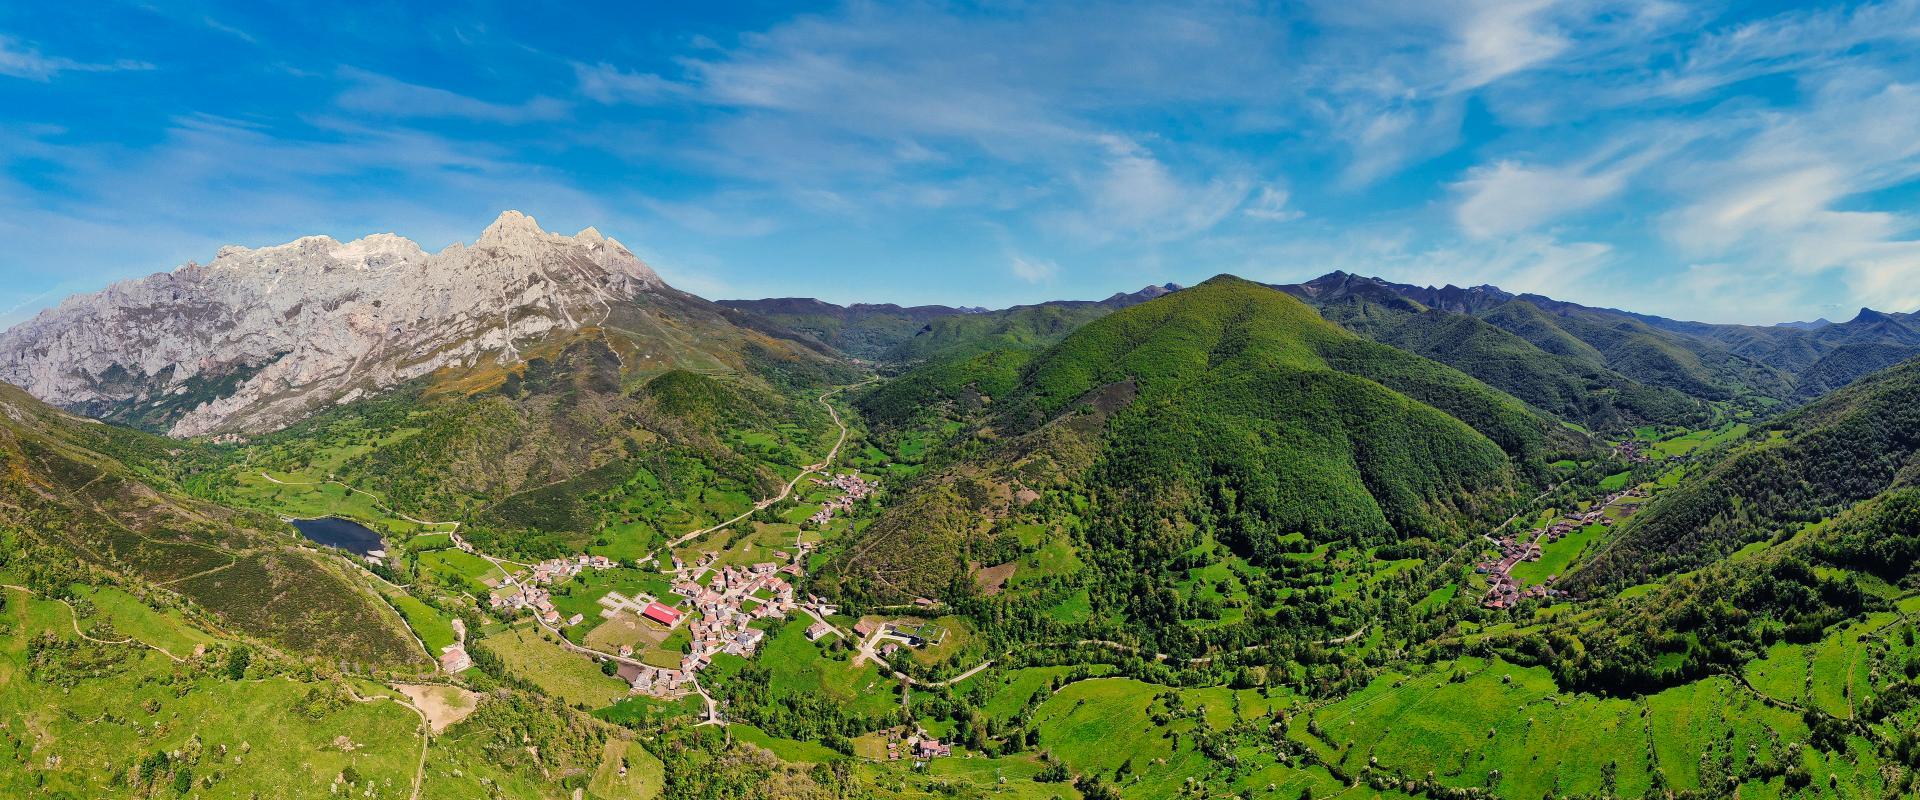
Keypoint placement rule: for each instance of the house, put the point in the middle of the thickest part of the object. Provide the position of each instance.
(661, 614)
(453, 658)
(931, 748)
(626, 650)
(864, 628)
(750, 638)
(817, 630)
(576, 619)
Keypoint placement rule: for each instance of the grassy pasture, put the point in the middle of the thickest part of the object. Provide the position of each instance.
(1097, 725)
(434, 628)
(85, 735)
(1557, 557)
(569, 676)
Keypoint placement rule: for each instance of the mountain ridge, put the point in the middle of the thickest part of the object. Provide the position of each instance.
(1710, 361)
(260, 338)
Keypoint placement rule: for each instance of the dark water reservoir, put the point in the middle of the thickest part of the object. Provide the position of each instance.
(342, 533)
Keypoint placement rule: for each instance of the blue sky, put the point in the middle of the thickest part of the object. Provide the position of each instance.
(1741, 162)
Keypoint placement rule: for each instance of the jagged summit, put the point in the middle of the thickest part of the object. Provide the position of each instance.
(260, 337)
(1868, 316)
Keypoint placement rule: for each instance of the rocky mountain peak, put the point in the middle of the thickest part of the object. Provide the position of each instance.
(510, 226)
(261, 337)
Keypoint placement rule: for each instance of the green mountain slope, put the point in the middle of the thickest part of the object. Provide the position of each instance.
(1656, 352)
(1800, 469)
(106, 498)
(1569, 385)
(1228, 412)
(1018, 327)
(542, 456)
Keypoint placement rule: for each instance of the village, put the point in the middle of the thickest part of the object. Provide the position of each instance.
(1506, 591)
(715, 603)
(852, 487)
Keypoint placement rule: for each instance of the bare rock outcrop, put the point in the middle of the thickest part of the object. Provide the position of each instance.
(261, 338)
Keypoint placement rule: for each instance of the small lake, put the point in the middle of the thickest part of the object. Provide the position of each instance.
(342, 533)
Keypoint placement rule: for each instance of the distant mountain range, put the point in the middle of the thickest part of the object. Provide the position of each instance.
(1791, 362)
(879, 332)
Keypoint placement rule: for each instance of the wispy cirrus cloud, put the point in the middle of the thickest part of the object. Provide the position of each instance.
(21, 60)
(371, 93)
(1032, 270)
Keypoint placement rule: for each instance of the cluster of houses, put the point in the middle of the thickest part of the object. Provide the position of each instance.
(1632, 451)
(530, 593)
(735, 597)
(852, 487)
(1504, 590)
(730, 600)
(554, 570)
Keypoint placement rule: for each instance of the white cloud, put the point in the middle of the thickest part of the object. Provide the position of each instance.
(1506, 198)
(23, 61)
(1498, 39)
(1135, 195)
(1271, 205)
(372, 93)
(1032, 270)
(221, 27)
(1787, 201)
(606, 83)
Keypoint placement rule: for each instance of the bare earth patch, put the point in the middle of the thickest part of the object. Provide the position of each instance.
(992, 579)
(443, 705)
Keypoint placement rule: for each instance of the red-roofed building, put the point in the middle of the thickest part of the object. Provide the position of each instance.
(661, 614)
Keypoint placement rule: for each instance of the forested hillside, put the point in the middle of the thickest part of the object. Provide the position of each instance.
(1577, 389)
(1224, 416)
(861, 330)
(1801, 469)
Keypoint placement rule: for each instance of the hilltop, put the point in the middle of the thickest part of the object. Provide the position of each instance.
(1228, 419)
